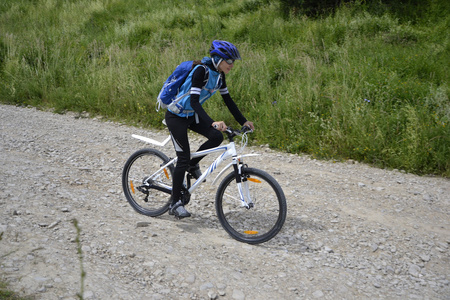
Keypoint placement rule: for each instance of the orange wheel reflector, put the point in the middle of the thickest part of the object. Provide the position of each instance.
(254, 180)
(251, 232)
(167, 173)
(132, 186)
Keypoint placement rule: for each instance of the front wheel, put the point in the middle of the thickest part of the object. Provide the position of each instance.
(266, 212)
(147, 186)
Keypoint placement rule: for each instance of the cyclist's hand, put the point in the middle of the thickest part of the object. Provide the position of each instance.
(249, 125)
(220, 125)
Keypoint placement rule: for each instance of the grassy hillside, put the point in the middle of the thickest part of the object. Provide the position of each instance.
(364, 83)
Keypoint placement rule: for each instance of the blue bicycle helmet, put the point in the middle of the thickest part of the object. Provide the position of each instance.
(224, 49)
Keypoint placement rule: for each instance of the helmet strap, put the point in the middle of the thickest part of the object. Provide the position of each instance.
(216, 65)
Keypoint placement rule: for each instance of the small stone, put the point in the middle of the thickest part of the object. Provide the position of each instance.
(390, 270)
(149, 264)
(88, 295)
(318, 294)
(212, 295)
(443, 245)
(206, 286)
(328, 249)
(427, 197)
(190, 278)
(53, 224)
(238, 295)
(221, 286)
(414, 270)
(142, 224)
(317, 246)
(425, 257)
(40, 278)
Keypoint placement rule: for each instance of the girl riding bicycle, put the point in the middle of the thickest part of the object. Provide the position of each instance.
(204, 80)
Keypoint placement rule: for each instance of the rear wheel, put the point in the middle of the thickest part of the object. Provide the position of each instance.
(148, 195)
(266, 213)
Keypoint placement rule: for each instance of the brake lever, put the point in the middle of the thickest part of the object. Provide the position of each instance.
(246, 129)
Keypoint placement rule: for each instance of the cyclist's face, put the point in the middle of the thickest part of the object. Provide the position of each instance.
(225, 67)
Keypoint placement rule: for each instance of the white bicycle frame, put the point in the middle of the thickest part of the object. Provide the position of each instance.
(227, 151)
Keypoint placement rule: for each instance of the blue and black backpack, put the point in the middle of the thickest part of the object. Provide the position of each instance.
(171, 87)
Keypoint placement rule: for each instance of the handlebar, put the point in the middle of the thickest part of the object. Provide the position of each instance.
(232, 132)
(244, 129)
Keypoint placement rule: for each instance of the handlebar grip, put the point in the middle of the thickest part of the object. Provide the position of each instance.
(246, 129)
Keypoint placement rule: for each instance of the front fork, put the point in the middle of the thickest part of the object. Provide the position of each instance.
(242, 184)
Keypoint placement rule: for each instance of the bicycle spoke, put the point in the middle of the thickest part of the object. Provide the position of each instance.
(262, 219)
(147, 192)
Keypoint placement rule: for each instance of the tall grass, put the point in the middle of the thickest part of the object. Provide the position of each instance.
(360, 84)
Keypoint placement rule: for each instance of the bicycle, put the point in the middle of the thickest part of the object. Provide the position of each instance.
(250, 204)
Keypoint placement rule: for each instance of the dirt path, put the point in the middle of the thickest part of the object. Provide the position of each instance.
(352, 231)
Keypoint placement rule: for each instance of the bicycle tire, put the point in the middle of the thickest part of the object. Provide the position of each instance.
(153, 198)
(259, 223)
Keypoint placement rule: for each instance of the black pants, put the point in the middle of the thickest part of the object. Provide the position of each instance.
(178, 127)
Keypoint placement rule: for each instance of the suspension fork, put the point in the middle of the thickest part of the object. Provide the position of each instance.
(242, 184)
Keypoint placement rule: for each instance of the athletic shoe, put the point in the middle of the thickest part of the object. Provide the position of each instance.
(178, 210)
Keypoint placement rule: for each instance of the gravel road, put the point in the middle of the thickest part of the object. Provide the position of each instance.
(352, 231)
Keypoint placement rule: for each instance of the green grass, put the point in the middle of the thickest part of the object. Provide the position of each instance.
(363, 83)
(6, 294)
